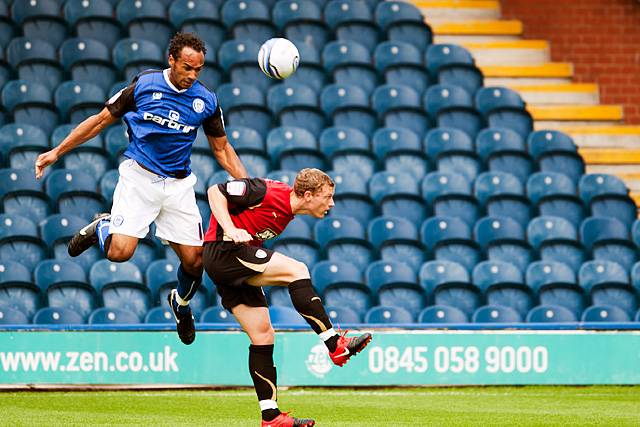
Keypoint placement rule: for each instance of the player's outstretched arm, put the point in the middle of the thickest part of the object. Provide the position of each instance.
(227, 156)
(220, 209)
(86, 130)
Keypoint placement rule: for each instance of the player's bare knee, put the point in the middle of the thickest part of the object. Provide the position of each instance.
(119, 254)
(298, 270)
(193, 265)
(262, 334)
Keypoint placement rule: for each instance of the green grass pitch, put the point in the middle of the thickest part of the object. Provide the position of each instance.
(462, 406)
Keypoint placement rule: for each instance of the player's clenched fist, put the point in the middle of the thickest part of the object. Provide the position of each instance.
(44, 160)
(238, 235)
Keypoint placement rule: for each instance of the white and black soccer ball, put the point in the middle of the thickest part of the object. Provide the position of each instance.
(278, 58)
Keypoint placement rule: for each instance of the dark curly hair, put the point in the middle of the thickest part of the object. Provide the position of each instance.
(181, 40)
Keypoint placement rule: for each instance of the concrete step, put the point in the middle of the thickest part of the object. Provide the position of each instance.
(541, 74)
(476, 31)
(553, 94)
(625, 173)
(604, 136)
(436, 11)
(510, 52)
(610, 156)
(552, 116)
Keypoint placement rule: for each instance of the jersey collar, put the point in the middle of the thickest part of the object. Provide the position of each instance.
(165, 73)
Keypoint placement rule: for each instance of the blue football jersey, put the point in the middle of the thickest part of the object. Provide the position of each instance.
(163, 121)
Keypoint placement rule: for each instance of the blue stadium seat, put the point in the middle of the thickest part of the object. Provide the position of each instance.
(57, 230)
(556, 239)
(90, 156)
(74, 192)
(78, 100)
(250, 147)
(112, 316)
(94, 19)
(504, 108)
(301, 20)
(449, 194)
(496, 314)
(467, 76)
(244, 105)
(403, 22)
(19, 240)
(400, 149)
(504, 150)
(351, 197)
(448, 283)
(352, 21)
(608, 239)
(238, 59)
(342, 315)
(21, 143)
(503, 239)
(288, 177)
(160, 277)
(453, 152)
(203, 165)
(159, 315)
(502, 194)
(145, 20)
(57, 316)
(554, 151)
(443, 314)
(607, 196)
(132, 56)
(555, 194)
(310, 71)
(35, 61)
(349, 63)
(6, 71)
(503, 284)
(438, 55)
(608, 284)
(201, 17)
(285, 316)
(248, 20)
(40, 20)
(294, 148)
(348, 105)
(11, 316)
(296, 104)
(30, 103)
(449, 239)
(340, 283)
(635, 276)
(399, 105)
(8, 28)
(439, 97)
(218, 314)
(401, 62)
(550, 314)
(343, 238)
(121, 286)
(116, 141)
(297, 242)
(396, 239)
(88, 60)
(348, 150)
(603, 313)
(397, 194)
(17, 290)
(381, 314)
(635, 233)
(395, 284)
(22, 194)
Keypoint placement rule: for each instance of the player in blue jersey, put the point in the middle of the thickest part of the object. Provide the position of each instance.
(163, 110)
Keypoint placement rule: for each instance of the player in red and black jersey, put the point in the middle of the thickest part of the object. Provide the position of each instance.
(245, 213)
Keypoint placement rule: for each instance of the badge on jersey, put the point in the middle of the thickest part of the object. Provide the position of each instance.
(236, 188)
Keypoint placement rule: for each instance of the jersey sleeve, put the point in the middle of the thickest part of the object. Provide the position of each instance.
(214, 124)
(123, 101)
(245, 192)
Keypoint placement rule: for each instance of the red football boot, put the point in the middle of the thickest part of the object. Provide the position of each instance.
(348, 347)
(284, 420)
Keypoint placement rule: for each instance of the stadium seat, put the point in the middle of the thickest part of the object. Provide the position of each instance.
(250, 147)
(238, 59)
(21, 193)
(554, 194)
(74, 192)
(56, 230)
(6, 71)
(395, 284)
(342, 316)
(57, 316)
(400, 149)
(496, 314)
(21, 143)
(348, 105)
(112, 316)
(19, 241)
(348, 150)
(88, 60)
(438, 55)
(296, 104)
(116, 141)
(285, 316)
(502, 194)
(301, 20)
(159, 315)
(297, 242)
(608, 284)
(607, 196)
(449, 284)
(278, 296)
(602, 313)
(550, 314)
(449, 239)
(218, 314)
(248, 20)
(399, 105)
(467, 76)
(343, 238)
(121, 286)
(504, 108)
(352, 21)
(145, 20)
(442, 314)
(201, 17)
(90, 156)
(160, 277)
(608, 239)
(453, 152)
(40, 20)
(504, 150)
(403, 22)
(396, 239)
(502, 284)
(554, 151)
(388, 315)
(35, 61)
(397, 194)
(76, 101)
(93, 19)
(349, 63)
(245, 106)
(340, 283)
(288, 177)
(8, 28)
(17, 290)
(449, 194)
(351, 197)
(556, 239)
(132, 56)
(30, 103)
(503, 239)
(401, 62)
(294, 148)
(11, 316)
(310, 71)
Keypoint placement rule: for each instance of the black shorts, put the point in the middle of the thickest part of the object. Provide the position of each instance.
(230, 265)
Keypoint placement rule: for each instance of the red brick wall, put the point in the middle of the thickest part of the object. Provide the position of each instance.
(600, 37)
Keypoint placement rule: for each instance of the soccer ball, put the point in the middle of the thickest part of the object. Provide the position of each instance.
(278, 58)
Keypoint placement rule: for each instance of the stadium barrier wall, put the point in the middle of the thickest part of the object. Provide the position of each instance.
(394, 357)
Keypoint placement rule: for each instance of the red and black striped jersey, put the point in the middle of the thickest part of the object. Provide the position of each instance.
(260, 206)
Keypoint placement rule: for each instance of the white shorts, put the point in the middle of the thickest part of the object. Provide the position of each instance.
(142, 197)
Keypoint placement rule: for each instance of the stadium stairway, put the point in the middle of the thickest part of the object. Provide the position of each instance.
(554, 100)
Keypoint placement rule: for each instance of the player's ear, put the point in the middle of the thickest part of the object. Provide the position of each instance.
(172, 61)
